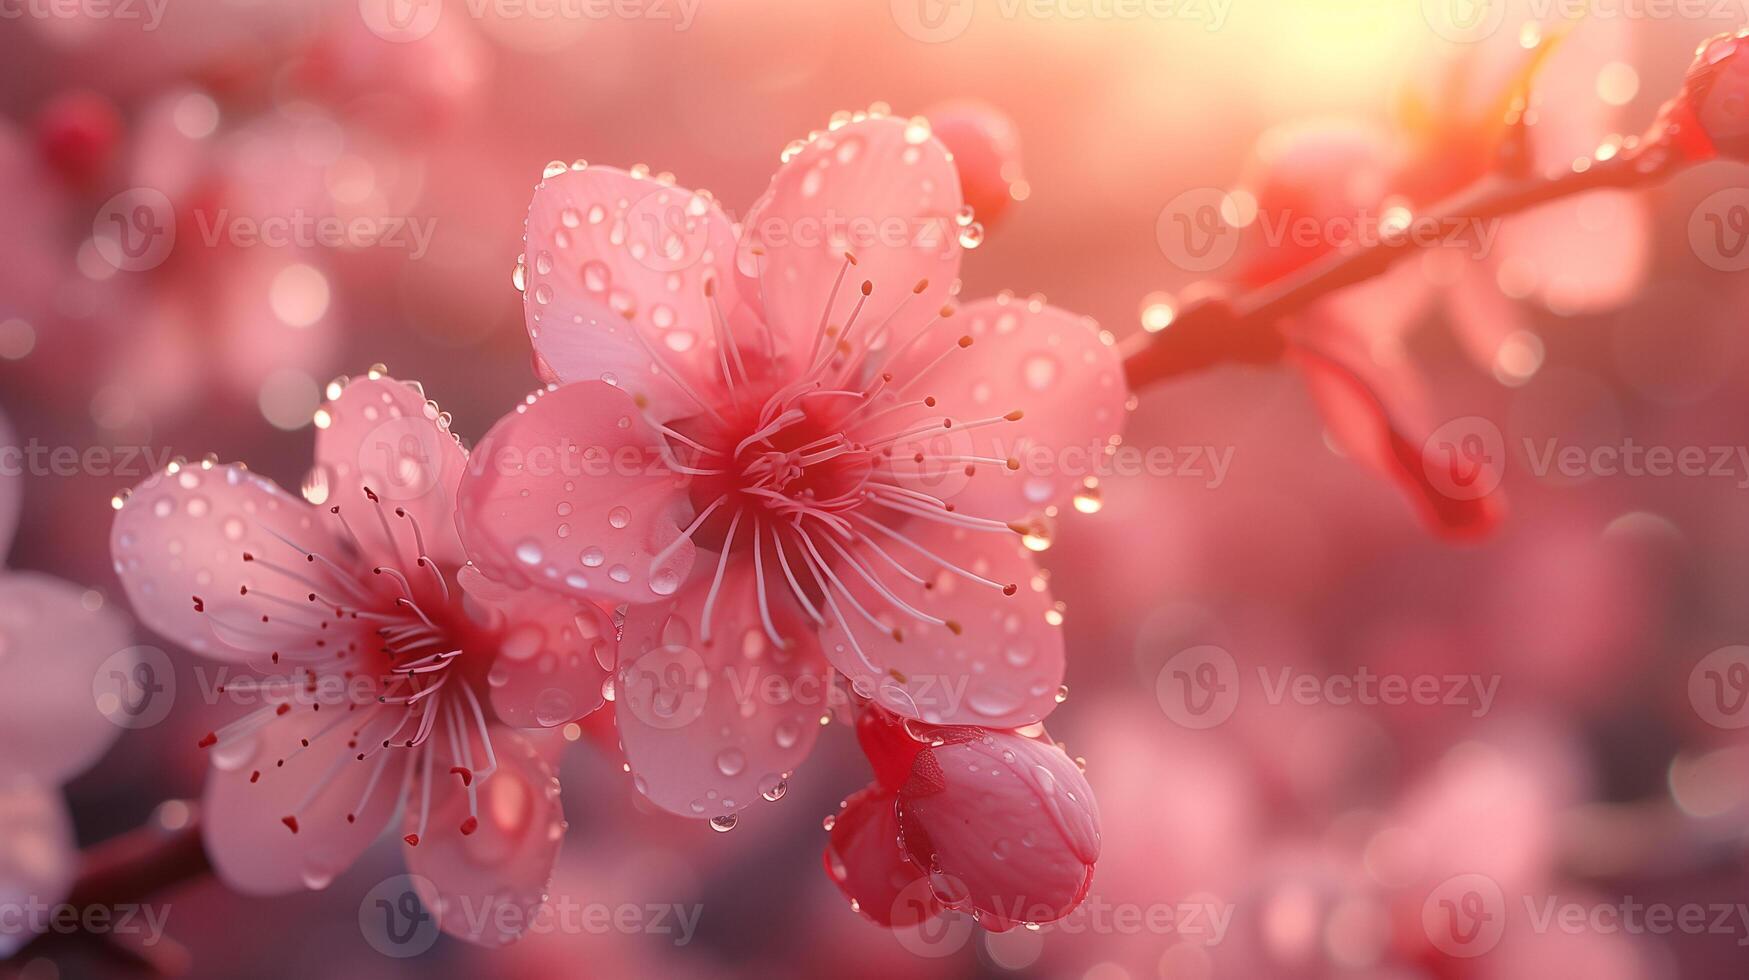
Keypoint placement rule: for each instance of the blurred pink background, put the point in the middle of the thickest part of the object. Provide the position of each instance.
(1285, 839)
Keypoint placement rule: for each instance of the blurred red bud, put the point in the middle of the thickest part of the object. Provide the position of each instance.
(986, 148)
(77, 134)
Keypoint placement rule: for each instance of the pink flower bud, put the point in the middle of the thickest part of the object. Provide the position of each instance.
(986, 151)
(1008, 821)
(1710, 116)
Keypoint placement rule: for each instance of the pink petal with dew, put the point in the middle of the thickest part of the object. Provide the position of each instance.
(553, 654)
(571, 492)
(53, 646)
(38, 859)
(189, 541)
(1060, 372)
(616, 274)
(1007, 824)
(384, 435)
(280, 816)
(714, 714)
(882, 189)
(484, 871)
(981, 657)
(11, 491)
(868, 864)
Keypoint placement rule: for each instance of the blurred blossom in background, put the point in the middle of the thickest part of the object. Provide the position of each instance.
(1338, 725)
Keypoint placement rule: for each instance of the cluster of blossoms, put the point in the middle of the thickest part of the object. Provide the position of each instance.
(774, 473)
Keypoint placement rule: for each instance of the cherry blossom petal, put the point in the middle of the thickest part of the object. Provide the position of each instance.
(552, 658)
(1365, 428)
(714, 715)
(989, 659)
(11, 490)
(1059, 370)
(1010, 819)
(484, 874)
(384, 435)
(38, 859)
(569, 493)
(253, 801)
(52, 647)
(882, 189)
(616, 268)
(868, 864)
(179, 545)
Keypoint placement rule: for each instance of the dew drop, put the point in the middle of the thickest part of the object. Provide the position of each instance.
(1088, 500)
(1039, 370)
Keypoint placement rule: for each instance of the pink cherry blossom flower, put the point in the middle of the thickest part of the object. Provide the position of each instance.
(999, 823)
(53, 641)
(391, 677)
(787, 449)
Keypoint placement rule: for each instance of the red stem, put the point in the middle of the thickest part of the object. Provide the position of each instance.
(1243, 328)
